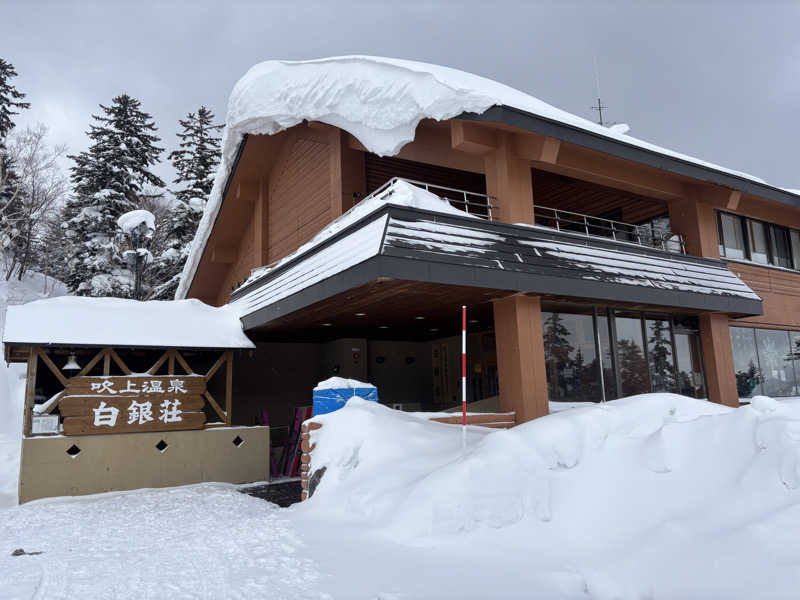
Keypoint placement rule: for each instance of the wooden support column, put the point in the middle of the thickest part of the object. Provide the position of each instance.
(348, 175)
(520, 356)
(697, 223)
(509, 181)
(718, 358)
(30, 392)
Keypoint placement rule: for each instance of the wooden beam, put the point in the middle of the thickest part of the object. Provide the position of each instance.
(247, 191)
(30, 392)
(261, 225)
(215, 406)
(50, 365)
(216, 366)
(90, 365)
(170, 363)
(538, 148)
(154, 369)
(223, 255)
(229, 386)
(107, 364)
(733, 200)
(183, 363)
(472, 138)
(55, 403)
(119, 362)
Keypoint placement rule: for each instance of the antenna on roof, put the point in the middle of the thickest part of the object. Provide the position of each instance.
(600, 106)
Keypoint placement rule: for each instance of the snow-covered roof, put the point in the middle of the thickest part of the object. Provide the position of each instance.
(82, 321)
(412, 242)
(378, 100)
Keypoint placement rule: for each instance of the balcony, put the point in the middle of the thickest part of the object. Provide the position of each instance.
(482, 205)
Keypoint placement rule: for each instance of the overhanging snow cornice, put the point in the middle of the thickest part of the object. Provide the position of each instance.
(520, 119)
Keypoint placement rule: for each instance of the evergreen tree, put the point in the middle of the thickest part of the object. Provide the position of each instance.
(108, 180)
(10, 99)
(660, 354)
(195, 163)
(557, 352)
(10, 104)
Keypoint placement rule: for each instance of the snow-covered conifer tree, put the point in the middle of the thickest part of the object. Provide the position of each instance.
(10, 104)
(195, 163)
(108, 179)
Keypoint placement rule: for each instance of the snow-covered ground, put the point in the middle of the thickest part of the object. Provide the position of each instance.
(655, 496)
(12, 381)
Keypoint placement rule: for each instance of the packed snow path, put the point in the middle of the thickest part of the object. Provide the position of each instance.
(204, 541)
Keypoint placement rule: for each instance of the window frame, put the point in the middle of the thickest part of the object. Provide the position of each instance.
(769, 230)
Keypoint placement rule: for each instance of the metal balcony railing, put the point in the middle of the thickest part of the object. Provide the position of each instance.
(472, 203)
(643, 235)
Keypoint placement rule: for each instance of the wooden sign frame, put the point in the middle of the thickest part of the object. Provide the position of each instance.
(171, 357)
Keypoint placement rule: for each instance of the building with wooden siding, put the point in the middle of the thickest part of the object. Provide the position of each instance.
(593, 265)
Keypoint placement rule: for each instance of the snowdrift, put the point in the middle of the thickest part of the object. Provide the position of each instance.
(652, 479)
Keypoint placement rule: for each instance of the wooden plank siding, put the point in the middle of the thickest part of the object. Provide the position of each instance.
(780, 291)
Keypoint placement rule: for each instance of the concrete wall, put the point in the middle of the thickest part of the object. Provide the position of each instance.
(130, 461)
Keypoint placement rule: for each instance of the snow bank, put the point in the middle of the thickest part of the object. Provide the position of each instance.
(378, 100)
(628, 490)
(398, 193)
(82, 321)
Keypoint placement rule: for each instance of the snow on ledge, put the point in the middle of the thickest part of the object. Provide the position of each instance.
(82, 321)
(378, 100)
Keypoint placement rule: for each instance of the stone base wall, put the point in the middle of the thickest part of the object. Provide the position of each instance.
(105, 463)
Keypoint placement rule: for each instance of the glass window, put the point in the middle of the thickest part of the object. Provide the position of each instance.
(795, 237)
(779, 239)
(570, 357)
(659, 355)
(631, 362)
(691, 381)
(732, 236)
(775, 362)
(745, 361)
(606, 354)
(757, 235)
(794, 352)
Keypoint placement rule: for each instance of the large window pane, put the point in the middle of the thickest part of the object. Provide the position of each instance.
(631, 362)
(570, 357)
(606, 354)
(781, 255)
(794, 337)
(795, 237)
(757, 234)
(775, 360)
(745, 361)
(691, 381)
(659, 355)
(732, 242)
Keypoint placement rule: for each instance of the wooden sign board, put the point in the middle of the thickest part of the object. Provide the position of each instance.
(133, 403)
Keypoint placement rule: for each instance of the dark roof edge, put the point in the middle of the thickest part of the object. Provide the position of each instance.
(521, 119)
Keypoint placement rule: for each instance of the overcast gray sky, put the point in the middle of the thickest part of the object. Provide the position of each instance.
(718, 80)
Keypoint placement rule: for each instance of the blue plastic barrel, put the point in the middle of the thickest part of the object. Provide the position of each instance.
(328, 399)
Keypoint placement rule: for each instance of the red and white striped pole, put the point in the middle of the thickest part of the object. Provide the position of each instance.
(463, 366)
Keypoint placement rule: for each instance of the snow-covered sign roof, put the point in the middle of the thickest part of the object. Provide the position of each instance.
(402, 238)
(380, 101)
(81, 321)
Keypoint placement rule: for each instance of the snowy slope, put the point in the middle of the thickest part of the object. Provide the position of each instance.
(12, 382)
(378, 100)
